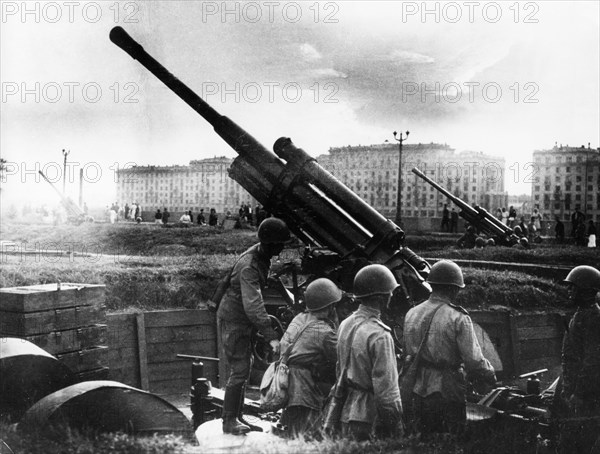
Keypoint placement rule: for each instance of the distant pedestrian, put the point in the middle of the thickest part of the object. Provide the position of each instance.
(559, 231)
(445, 219)
(580, 235)
(158, 217)
(536, 219)
(213, 219)
(512, 216)
(191, 215)
(185, 219)
(591, 234)
(165, 216)
(453, 221)
(201, 218)
(576, 218)
(504, 216)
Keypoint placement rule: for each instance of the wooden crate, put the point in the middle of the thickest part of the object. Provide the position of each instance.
(67, 320)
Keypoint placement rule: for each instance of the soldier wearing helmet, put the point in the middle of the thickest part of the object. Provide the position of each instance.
(366, 353)
(468, 240)
(313, 340)
(242, 308)
(581, 362)
(442, 334)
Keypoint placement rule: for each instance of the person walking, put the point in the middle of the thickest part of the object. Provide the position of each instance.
(366, 355)
(242, 308)
(453, 221)
(445, 227)
(591, 234)
(312, 336)
(442, 335)
(165, 216)
(158, 217)
(580, 430)
(559, 231)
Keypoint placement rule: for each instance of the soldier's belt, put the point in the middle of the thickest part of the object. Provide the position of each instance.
(438, 366)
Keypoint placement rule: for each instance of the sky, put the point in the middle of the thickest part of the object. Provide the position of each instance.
(504, 78)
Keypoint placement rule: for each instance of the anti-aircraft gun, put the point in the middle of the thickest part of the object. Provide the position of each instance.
(75, 215)
(477, 216)
(342, 232)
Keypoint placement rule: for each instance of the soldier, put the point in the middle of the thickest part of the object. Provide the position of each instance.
(366, 352)
(312, 358)
(449, 348)
(243, 308)
(581, 363)
(468, 240)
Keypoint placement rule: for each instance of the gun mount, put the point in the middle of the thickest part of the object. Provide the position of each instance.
(477, 216)
(342, 232)
(75, 215)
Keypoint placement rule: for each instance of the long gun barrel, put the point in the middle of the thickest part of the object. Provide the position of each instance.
(69, 205)
(316, 206)
(476, 216)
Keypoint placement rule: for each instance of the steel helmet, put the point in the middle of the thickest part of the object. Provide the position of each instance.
(479, 242)
(374, 280)
(272, 231)
(446, 272)
(491, 242)
(518, 229)
(320, 293)
(584, 276)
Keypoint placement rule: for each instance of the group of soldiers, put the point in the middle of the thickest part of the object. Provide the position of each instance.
(439, 340)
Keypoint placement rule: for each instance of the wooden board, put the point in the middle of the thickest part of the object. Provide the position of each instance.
(180, 334)
(540, 348)
(28, 323)
(185, 317)
(71, 340)
(84, 360)
(37, 298)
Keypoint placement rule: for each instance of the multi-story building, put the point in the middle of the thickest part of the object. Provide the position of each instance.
(566, 178)
(372, 173)
(203, 184)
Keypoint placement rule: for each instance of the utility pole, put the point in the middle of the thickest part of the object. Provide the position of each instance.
(399, 199)
(65, 154)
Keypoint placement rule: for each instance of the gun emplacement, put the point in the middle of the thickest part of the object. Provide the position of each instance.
(477, 216)
(319, 209)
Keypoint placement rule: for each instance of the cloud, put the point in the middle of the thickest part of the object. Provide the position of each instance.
(309, 52)
(411, 57)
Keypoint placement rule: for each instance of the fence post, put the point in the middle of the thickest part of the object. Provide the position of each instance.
(142, 355)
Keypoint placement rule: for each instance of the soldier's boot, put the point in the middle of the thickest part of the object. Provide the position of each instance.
(231, 403)
(253, 427)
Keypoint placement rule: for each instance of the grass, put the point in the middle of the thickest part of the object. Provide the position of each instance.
(490, 440)
(194, 259)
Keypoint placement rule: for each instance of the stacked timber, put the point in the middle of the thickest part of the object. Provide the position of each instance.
(66, 320)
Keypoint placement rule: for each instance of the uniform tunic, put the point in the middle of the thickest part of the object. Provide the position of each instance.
(312, 360)
(241, 309)
(372, 375)
(451, 342)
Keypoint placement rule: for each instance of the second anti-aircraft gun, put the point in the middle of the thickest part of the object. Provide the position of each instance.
(342, 232)
(477, 216)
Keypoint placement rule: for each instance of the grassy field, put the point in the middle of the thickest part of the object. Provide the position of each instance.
(147, 267)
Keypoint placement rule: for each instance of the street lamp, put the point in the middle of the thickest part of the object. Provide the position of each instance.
(399, 199)
(65, 153)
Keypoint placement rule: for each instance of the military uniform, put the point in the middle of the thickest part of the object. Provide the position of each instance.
(450, 349)
(373, 400)
(312, 364)
(241, 309)
(581, 378)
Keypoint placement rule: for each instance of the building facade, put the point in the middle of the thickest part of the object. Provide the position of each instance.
(372, 173)
(566, 178)
(203, 184)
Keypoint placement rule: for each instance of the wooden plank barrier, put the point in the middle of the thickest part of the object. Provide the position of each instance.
(521, 343)
(165, 334)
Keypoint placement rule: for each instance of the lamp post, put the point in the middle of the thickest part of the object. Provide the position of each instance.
(399, 199)
(65, 153)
